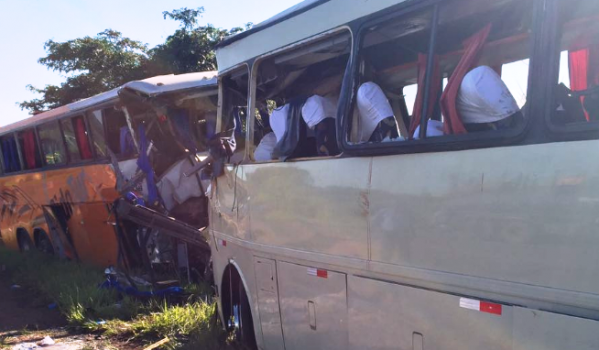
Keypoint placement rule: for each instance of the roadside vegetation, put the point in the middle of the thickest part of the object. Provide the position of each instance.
(191, 323)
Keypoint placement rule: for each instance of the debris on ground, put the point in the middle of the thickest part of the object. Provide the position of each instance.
(157, 344)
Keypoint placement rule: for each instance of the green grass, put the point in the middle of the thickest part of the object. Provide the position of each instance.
(74, 288)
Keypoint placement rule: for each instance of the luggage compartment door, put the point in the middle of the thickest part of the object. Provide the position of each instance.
(313, 307)
(268, 303)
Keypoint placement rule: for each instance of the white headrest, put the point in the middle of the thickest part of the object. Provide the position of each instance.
(373, 107)
(278, 121)
(266, 147)
(434, 128)
(484, 97)
(317, 108)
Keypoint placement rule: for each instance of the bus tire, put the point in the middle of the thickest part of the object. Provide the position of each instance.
(43, 243)
(25, 244)
(237, 310)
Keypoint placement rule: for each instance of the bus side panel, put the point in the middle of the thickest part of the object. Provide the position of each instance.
(268, 303)
(80, 196)
(313, 307)
(226, 201)
(95, 239)
(539, 330)
(525, 214)
(386, 316)
(20, 196)
(311, 205)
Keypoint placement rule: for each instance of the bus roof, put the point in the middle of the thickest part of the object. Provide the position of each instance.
(151, 87)
(307, 19)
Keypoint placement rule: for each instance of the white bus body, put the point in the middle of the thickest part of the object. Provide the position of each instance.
(491, 247)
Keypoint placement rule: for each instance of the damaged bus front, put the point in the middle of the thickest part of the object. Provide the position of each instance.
(116, 172)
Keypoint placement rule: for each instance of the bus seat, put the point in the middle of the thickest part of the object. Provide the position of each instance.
(292, 135)
(377, 122)
(434, 128)
(319, 113)
(484, 98)
(266, 147)
(473, 46)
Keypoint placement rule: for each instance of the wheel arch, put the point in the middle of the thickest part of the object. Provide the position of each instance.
(225, 295)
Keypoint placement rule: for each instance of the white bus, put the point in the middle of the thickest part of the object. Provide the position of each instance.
(457, 205)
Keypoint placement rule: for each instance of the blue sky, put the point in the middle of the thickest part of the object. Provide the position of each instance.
(25, 25)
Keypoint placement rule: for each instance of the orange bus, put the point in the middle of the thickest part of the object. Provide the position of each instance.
(61, 171)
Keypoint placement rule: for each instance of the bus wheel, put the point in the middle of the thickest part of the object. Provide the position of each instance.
(25, 244)
(236, 307)
(43, 243)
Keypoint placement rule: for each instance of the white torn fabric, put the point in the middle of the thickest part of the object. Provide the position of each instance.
(434, 128)
(484, 97)
(266, 147)
(278, 121)
(373, 107)
(318, 108)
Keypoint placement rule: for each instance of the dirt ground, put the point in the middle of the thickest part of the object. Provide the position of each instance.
(25, 319)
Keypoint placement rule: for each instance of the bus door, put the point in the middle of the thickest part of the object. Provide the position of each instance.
(313, 307)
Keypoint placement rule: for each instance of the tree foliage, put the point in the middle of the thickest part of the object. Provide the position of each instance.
(96, 64)
(191, 47)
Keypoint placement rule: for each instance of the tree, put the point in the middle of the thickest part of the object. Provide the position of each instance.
(101, 63)
(191, 47)
(92, 65)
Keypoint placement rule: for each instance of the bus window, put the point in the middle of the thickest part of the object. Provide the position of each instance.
(300, 89)
(30, 149)
(234, 111)
(484, 53)
(577, 93)
(391, 56)
(52, 144)
(96, 125)
(76, 137)
(118, 137)
(10, 154)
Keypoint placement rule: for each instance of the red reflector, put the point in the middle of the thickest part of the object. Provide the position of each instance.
(322, 273)
(318, 272)
(490, 308)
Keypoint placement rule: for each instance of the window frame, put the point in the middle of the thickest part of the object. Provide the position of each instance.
(448, 142)
(566, 132)
(219, 111)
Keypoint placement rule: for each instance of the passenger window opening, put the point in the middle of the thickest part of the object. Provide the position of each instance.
(30, 149)
(486, 60)
(479, 77)
(389, 82)
(96, 126)
(76, 139)
(118, 136)
(10, 154)
(52, 144)
(233, 123)
(576, 97)
(297, 94)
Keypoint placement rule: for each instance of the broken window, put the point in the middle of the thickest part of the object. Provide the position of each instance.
(484, 52)
(52, 144)
(455, 68)
(388, 99)
(233, 112)
(118, 136)
(297, 93)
